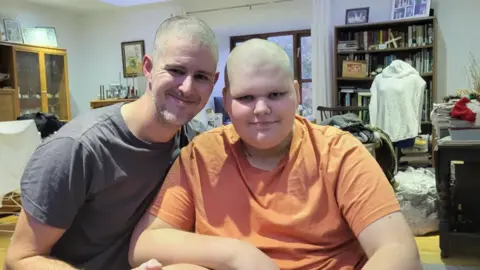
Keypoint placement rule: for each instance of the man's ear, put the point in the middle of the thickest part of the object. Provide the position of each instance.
(216, 77)
(147, 67)
(297, 91)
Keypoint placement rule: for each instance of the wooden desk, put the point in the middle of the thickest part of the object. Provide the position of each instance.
(94, 104)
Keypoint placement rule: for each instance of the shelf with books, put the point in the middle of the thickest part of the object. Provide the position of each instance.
(374, 46)
(371, 78)
(386, 50)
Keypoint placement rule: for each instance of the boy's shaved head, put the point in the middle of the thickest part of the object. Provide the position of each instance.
(256, 54)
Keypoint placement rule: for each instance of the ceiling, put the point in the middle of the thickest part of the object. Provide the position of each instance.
(82, 6)
(89, 5)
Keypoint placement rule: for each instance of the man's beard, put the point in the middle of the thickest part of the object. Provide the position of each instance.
(168, 118)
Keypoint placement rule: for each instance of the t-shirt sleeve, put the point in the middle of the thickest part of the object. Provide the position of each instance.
(54, 182)
(363, 192)
(174, 203)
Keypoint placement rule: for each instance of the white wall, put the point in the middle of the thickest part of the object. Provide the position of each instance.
(104, 32)
(67, 27)
(457, 36)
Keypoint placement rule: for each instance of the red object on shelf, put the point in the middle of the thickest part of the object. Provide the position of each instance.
(461, 111)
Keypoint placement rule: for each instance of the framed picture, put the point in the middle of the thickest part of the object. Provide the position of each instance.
(354, 69)
(132, 58)
(357, 15)
(40, 36)
(51, 35)
(406, 9)
(13, 31)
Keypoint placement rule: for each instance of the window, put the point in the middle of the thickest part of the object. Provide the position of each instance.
(298, 46)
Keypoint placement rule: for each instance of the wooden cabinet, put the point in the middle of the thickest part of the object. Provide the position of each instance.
(38, 81)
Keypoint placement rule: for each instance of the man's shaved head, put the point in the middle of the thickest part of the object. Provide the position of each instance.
(188, 27)
(254, 54)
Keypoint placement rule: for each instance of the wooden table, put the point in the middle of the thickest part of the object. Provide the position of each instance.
(94, 104)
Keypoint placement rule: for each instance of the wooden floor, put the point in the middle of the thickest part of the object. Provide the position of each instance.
(428, 246)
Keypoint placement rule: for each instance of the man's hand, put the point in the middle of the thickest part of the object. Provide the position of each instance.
(150, 265)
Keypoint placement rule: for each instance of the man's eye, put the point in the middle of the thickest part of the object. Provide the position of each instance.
(245, 98)
(201, 77)
(176, 71)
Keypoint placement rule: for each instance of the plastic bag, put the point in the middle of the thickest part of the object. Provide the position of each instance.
(417, 195)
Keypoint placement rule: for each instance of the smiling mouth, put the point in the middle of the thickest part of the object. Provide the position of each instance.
(181, 100)
(264, 123)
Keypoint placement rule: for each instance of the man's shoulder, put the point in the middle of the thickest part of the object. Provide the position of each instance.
(94, 123)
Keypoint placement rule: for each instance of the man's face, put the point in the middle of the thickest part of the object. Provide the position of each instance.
(181, 79)
(262, 102)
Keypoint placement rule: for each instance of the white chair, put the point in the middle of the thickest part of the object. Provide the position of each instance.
(18, 141)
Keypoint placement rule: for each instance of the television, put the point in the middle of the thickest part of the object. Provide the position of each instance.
(219, 108)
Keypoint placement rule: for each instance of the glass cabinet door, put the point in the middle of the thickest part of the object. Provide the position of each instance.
(56, 85)
(29, 84)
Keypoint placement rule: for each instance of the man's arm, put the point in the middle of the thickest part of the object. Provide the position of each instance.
(53, 188)
(389, 244)
(30, 246)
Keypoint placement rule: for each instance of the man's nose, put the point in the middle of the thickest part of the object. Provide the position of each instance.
(186, 85)
(261, 107)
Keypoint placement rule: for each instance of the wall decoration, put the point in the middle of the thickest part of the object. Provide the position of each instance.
(357, 15)
(354, 69)
(132, 58)
(51, 35)
(406, 9)
(3, 37)
(13, 31)
(40, 36)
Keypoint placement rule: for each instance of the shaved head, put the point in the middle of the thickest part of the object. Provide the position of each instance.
(184, 27)
(260, 94)
(255, 54)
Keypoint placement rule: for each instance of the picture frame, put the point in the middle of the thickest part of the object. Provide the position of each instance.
(354, 69)
(357, 15)
(51, 34)
(132, 58)
(13, 31)
(409, 9)
(40, 36)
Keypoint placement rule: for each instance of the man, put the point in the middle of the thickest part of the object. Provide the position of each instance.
(86, 188)
(259, 194)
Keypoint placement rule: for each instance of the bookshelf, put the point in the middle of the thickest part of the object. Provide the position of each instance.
(369, 45)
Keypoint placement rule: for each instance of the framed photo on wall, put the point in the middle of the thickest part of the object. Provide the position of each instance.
(132, 58)
(406, 9)
(13, 31)
(357, 15)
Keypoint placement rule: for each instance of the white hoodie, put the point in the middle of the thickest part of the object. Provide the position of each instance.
(396, 102)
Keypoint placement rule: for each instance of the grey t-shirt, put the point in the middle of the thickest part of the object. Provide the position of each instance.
(95, 179)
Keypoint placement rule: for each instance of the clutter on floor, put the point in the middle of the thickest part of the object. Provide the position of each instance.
(417, 194)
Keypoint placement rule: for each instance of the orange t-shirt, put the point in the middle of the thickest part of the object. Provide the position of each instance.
(304, 214)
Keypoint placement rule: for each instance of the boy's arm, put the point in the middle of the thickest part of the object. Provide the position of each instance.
(154, 238)
(369, 205)
(165, 232)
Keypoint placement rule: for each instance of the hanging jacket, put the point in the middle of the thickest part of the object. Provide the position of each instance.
(396, 102)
